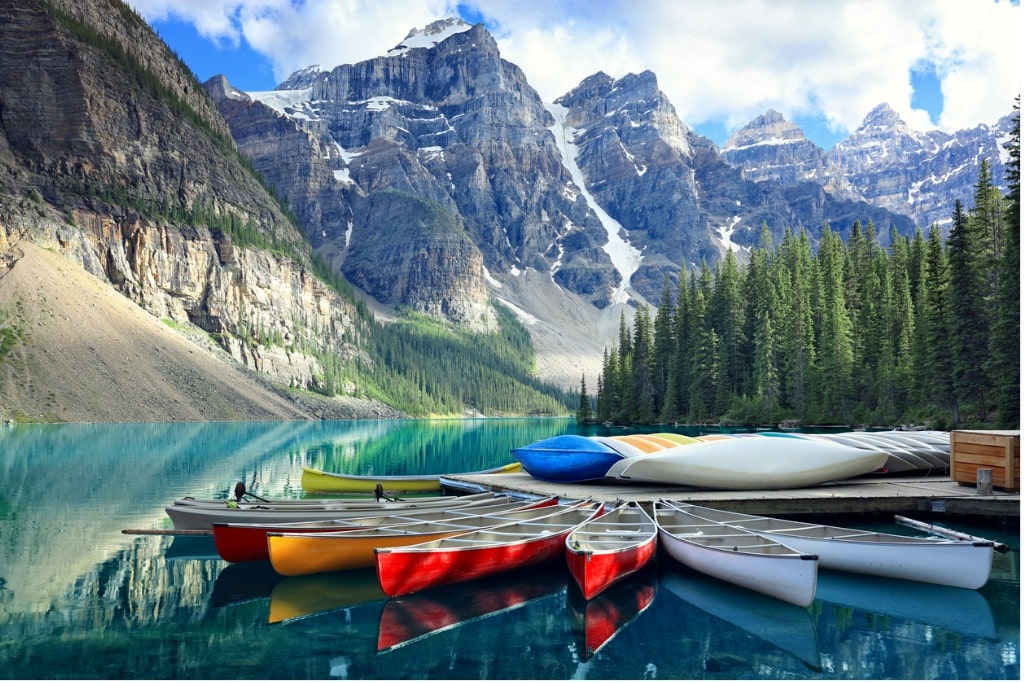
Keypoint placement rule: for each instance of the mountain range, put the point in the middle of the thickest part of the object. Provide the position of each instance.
(432, 178)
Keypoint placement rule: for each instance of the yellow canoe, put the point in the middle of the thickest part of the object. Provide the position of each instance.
(318, 481)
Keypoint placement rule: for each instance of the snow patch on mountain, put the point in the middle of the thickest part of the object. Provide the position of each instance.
(624, 256)
(434, 34)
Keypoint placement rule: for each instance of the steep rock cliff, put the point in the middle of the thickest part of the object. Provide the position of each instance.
(134, 176)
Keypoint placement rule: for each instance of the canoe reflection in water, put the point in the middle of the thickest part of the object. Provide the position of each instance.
(956, 610)
(410, 618)
(297, 597)
(783, 625)
(238, 583)
(598, 620)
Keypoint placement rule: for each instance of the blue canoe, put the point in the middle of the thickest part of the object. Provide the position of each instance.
(567, 458)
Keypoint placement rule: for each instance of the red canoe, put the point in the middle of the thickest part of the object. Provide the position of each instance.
(248, 542)
(611, 547)
(478, 553)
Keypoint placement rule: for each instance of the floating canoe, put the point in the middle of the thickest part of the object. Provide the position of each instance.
(294, 554)
(736, 555)
(411, 618)
(478, 553)
(201, 516)
(962, 564)
(318, 481)
(611, 547)
(567, 458)
(248, 542)
(756, 462)
(366, 503)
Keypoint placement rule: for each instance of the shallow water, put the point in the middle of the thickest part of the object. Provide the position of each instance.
(79, 599)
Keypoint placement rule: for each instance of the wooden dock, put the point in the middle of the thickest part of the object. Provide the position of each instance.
(865, 495)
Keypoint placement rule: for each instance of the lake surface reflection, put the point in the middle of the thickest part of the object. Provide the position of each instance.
(79, 599)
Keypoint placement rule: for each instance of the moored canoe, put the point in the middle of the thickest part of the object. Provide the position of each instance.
(294, 554)
(736, 555)
(611, 547)
(204, 516)
(318, 481)
(237, 542)
(961, 564)
(478, 553)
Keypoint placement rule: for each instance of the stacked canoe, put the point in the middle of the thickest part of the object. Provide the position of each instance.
(763, 460)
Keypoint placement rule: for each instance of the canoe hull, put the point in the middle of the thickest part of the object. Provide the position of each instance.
(476, 554)
(752, 463)
(318, 481)
(791, 579)
(961, 564)
(610, 548)
(203, 515)
(956, 563)
(567, 459)
(737, 556)
(295, 554)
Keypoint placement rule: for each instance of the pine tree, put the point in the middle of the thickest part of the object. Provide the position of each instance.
(967, 319)
(583, 412)
(1005, 349)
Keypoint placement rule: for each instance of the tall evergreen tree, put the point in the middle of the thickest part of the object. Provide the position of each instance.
(1005, 349)
(835, 337)
(967, 318)
(583, 412)
(938, 367)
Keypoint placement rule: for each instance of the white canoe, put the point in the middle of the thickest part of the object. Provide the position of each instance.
(204, 517)
(755, 462)
(738, 556)
(961, 564)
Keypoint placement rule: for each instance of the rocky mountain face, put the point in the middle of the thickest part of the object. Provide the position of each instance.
(605, 190)
(884, 162)
(111, 155)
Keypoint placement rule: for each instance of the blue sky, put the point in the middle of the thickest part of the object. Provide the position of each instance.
(946, 64)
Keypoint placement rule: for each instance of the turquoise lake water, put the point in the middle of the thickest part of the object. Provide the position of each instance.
(81, 600)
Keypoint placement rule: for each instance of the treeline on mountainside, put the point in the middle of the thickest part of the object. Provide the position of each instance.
(926, 332)
(423, 367)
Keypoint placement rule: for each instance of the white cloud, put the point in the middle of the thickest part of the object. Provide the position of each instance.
(724, 61)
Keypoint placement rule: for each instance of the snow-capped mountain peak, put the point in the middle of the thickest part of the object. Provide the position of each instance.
(430, 36)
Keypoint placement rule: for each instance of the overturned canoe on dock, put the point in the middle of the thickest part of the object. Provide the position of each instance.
(754, 462)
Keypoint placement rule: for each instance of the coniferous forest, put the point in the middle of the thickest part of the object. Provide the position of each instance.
(926, 331)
